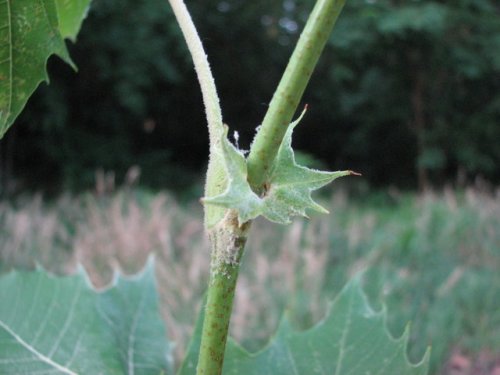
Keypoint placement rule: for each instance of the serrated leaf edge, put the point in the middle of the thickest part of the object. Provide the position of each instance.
(355, 282)
(6, 114)
(79, 270)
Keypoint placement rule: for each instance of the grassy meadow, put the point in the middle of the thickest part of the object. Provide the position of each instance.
(432, 259)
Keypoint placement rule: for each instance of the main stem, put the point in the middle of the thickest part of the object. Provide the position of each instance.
(228, 241)
(227, 237)
(290, 89)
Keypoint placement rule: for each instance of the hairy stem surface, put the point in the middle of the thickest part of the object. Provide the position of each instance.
(228, 241)
(205, 77)
(290, 89)
(216, 176)
(227, 237)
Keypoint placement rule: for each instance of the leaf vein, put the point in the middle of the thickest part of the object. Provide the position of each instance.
(344, 337)
(34, 351)
(292, 360)
(131, 337)
(65, 327)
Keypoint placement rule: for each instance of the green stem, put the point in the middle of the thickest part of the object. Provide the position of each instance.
(291, 87)
(226, 236)
(228, 241)
(202, 67)
(216, 176)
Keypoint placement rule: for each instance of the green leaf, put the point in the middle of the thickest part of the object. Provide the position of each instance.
(352, 339)
(188, 366)
(288, 191)
(71, 14)
(30, 32)
(63, 326)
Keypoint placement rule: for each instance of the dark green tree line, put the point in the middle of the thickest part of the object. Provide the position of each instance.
(408, 92)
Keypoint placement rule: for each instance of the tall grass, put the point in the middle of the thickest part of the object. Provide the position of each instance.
(434, 259)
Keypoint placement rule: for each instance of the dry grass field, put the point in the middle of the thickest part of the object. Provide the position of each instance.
(433, 259)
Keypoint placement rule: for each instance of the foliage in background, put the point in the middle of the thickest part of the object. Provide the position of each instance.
(432, 258)
(425, 77)
(414, 86)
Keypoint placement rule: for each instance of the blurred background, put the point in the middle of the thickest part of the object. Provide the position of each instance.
(407, 92)
(106, 165)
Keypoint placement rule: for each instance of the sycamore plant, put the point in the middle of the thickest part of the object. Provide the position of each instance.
(52, 325)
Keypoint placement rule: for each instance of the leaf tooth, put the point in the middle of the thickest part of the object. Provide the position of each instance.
(319, 208)
(289, 186)
(340, 336)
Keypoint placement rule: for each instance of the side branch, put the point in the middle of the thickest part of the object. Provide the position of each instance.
(291, 87)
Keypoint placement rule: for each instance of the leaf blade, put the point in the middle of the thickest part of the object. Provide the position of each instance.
(30, 32)
(71, 14)
(338, 345)
(65, 326)
(330, 347)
